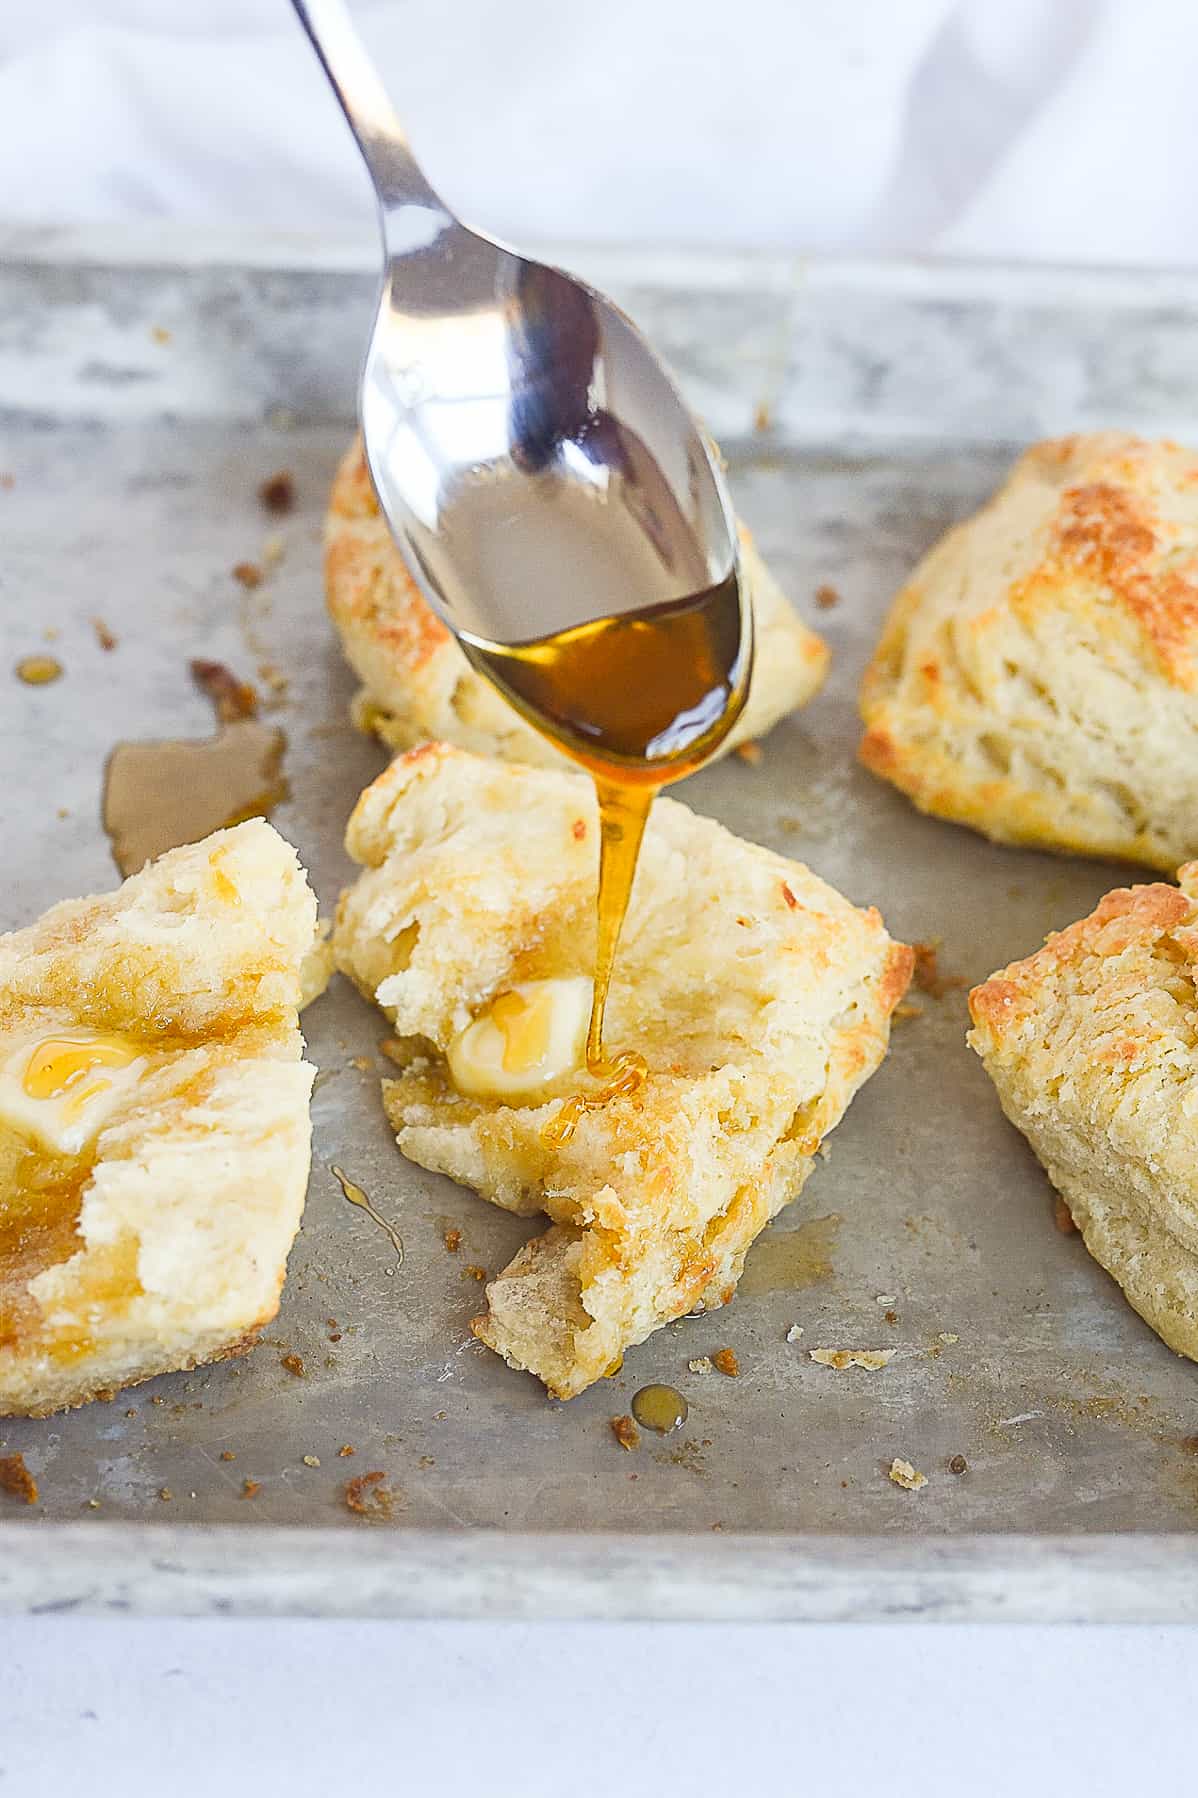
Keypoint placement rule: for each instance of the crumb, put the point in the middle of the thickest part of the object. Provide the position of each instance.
(751, 753)
(948, 1337)
(334, 1335)
(826, 597)
(763, 417)
(725, 1361)
(226, 1454)
(794, 1332)
(428, 1461)
(165, 1494)
(890, 1317)
(578, 829)
(1062, 1217)
(63, 812)
(250, 1488)
(905, 1009)
(474, 1272)
(157, 1400)
(363, 1063)
(294, 1364)
(311, 1460)
(703, 1364)
(93, 1504)
(928, 977)
(439, 1416)
(51, 633)
(160, 334)
(789, 897)
(272, 549)
(885, 1298)
(453, 1241)
(104, 636)
(369, 1495)
(869, 1359)
(132, 1412)
(16, 1478)
(958, 1464)
(232, 698)
(345, 1449)
(625, 1431)
(248, 573)
(277, 492)
(906, 1476)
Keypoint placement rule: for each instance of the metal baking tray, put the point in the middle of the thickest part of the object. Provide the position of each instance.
(862, 407)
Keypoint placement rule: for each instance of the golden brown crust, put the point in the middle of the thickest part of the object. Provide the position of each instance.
(418, 685)
(1037, 678)
(1092, 1044)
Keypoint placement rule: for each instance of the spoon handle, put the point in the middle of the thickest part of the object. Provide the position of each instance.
(397, 177)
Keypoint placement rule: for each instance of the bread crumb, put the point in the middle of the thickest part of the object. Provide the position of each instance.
(453, 1241)
(272, 549)
(226, 1454)
(958, 1464)
(233, 699)
(948, 1337)
(625, 1431)
(369, 1495)
(16, 1478)
(905, 1010)
(794, 1332)
(277, 492)
(763, 417)
(927, 976)
(160, 334)
(474, 1273)
(751, 753)
(165, 1494)
(870, 1359)
(826, 597)
(294, 1364)
(345, 1449)
(311, 1460)
(250, 1488)
(885, 1298)
(906, 1476)
(363, 1064)
(104, 636)
(1062, 1217)
(248, 573)
(702, 1364)
(725, 1361)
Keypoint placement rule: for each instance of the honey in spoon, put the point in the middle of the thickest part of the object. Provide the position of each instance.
(640, 700)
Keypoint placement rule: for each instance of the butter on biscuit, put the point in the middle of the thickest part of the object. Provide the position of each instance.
(759, 997)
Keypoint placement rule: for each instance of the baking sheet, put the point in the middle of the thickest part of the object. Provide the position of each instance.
(862, 409)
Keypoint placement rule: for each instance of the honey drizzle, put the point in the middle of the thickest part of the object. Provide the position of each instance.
(359, 1197)
(640, 700)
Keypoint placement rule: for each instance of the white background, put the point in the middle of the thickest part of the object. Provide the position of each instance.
(1059, 129)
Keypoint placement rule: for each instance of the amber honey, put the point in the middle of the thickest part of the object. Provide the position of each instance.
(640, 700)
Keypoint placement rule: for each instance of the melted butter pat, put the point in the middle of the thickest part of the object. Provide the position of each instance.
(62, 1087)
(529, 1037)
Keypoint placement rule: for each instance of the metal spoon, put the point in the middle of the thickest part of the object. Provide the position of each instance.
(535, 462)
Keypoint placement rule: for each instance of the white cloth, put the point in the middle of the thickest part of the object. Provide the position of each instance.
(1060, 129)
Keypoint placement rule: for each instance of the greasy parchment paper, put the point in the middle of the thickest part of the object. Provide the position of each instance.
(141, 402)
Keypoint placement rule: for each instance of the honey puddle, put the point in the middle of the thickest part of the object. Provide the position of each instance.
(158, 795)
(357, 1196)
(790, 1260)
(38, 671)
(660, 1408)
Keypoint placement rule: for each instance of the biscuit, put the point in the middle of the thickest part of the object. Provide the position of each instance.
(154, 1131)
(760, 998)
(417, 684)
(1092, 1043)
(1038, 674)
